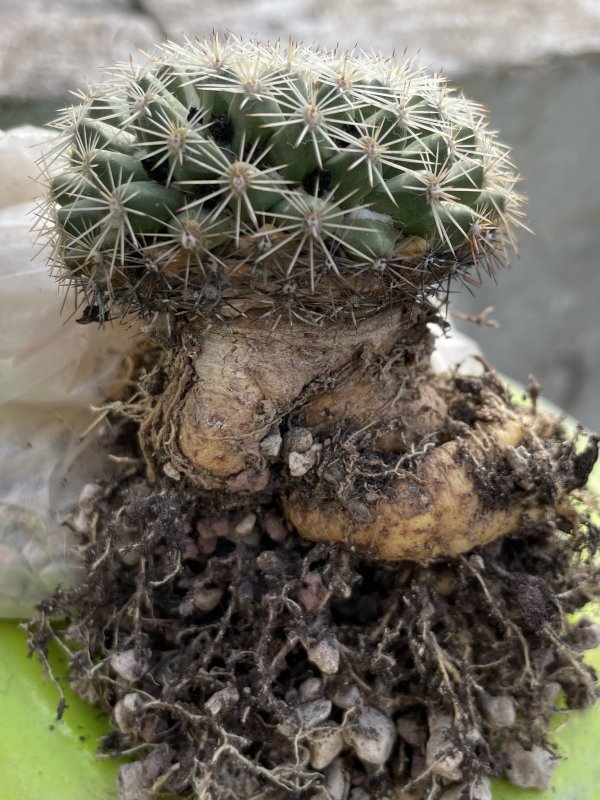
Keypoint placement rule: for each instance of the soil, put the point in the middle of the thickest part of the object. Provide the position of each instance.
(238, 660)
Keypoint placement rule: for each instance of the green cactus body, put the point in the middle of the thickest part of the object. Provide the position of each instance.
(245, 165)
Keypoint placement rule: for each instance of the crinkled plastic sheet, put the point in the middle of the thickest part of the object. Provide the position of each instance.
(52, 372)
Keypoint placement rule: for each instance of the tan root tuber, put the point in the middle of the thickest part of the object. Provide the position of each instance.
(392, 460)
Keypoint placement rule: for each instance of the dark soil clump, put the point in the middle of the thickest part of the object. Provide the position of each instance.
(240, 661)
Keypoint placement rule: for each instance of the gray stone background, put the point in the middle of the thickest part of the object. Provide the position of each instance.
(535, 63)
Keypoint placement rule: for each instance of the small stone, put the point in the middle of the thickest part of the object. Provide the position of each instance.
(442, 755)
(326, 744)
(310, 689)
(347, 696)
(298, 440)
(246, 525)
(314, 712)
(324, 654)
(132, 782)
(370, 734)
(337, 781)
(499, 710)
(128, 665)
(275, 528)
(222, 700)
(249, 480)
(126, 712)
(207, 599)
(158, 761)
(301, 463)
(529, 769)
(271, 445)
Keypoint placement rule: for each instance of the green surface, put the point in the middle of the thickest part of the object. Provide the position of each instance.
(40, 758)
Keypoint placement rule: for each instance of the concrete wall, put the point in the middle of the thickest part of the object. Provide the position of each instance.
(536, 63)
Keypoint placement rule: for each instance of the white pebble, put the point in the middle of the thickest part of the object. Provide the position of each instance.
(370, 734)
(310, 689)
(347, 696)
(529, 769)
(337, 782)
(126, 711)
(442, 755)
(299, 440)
(132, 782)
(301, 463)
(246, 525)
(271, 445)
(128, 665)
(314, 712)
(325, 655)
(325, 745)
(499, 710)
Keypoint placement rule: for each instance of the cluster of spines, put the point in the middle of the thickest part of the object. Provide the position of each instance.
(226, 176)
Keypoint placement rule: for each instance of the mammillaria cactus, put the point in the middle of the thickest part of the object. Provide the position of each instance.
(287, 223)
(227, 176)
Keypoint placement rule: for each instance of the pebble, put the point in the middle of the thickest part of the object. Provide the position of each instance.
(298, 440)
(529, 769)
(275, 528)
(271, 445)
(347, 696)
(314, 712)
(128, 665)
(370, 733)
(337, 782)
(246, 525)
(132, 783)
(499, 710)
(126, 711)
(310, 689)
(301, 463)
(442, 756)
(325, 654)
(326, 744)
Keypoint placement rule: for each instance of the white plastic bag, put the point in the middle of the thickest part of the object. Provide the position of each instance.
(52, 371)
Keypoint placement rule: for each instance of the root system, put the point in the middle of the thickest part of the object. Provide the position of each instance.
(238, 660)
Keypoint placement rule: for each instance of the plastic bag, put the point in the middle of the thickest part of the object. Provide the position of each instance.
(52, 372)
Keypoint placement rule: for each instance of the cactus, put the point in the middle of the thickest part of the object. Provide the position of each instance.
(225, 176)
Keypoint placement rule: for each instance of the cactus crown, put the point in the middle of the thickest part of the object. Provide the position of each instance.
(228, 177)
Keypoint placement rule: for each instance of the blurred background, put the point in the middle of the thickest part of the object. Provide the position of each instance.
(535, 63)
